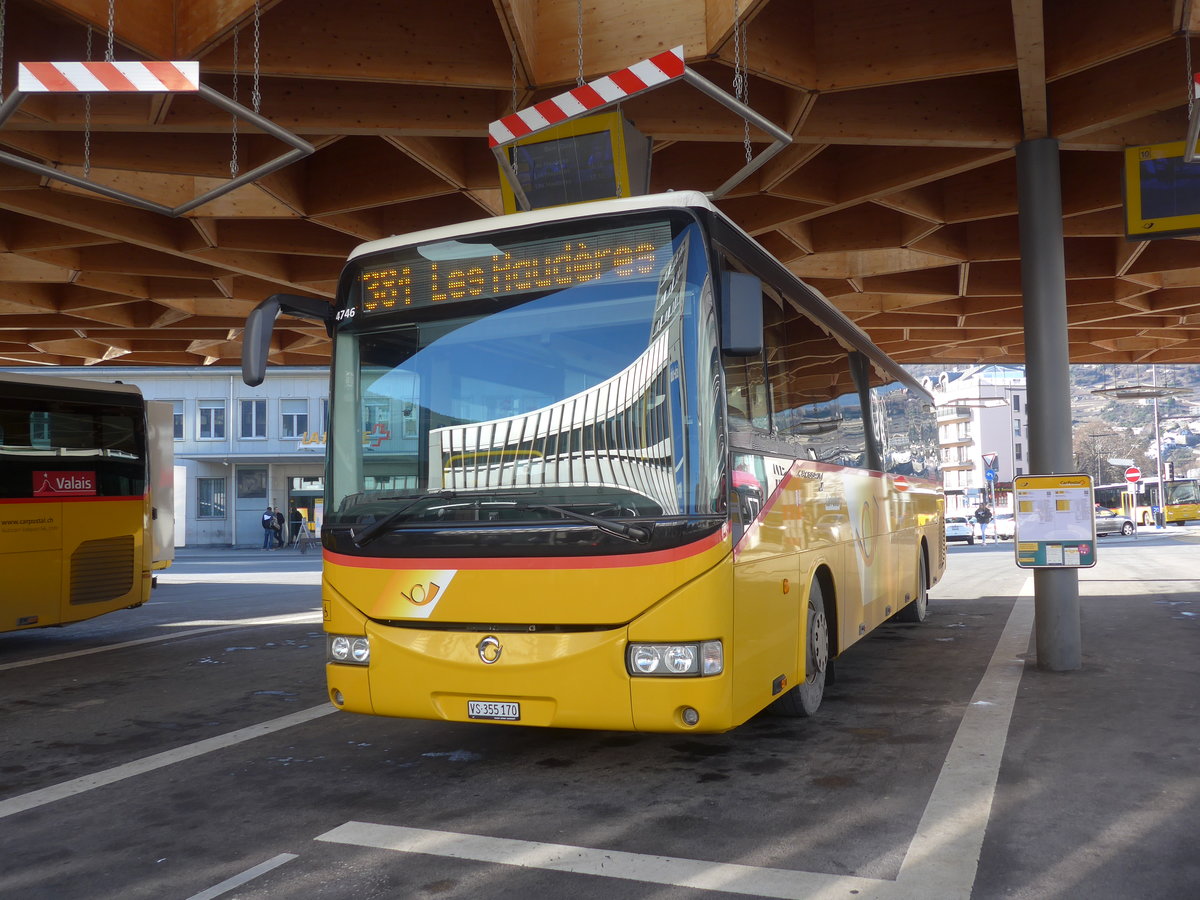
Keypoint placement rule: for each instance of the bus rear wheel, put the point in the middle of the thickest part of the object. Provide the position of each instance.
(804, 699)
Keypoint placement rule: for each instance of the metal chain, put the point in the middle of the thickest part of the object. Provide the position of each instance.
(1191, 82)
(741, 79)
(255, 96)
(108, 56)
(233, 157)
(87, 116)
(579, 82)
(3, 16)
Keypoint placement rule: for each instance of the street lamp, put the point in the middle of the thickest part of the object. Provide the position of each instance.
(1095, 436)
(1152, 391)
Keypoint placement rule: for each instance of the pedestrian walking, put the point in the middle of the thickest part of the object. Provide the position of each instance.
(277, 527)
(983, 515)
(268, 524)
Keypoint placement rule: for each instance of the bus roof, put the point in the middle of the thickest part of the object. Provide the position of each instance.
(673, 199)
(35, 377)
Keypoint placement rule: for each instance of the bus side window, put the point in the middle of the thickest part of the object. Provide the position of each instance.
(746, 388)
(812, 391)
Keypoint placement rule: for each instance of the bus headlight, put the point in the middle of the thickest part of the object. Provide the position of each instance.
(349, 649)
(703, 658)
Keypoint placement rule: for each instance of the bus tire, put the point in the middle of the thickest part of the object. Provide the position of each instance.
(918, 609)
(804, 699)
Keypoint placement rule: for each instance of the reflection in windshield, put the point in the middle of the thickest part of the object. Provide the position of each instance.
(579, 396)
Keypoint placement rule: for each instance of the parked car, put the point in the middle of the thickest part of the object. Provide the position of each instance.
(960, 528)
(1109, 522)
(1005, 526)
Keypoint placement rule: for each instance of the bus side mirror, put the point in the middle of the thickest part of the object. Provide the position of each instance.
(260, 324)
(741, 314)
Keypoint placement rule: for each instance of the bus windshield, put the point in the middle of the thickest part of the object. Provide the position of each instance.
(484, 380)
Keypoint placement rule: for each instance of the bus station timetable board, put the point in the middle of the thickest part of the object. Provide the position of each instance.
(1055, 521)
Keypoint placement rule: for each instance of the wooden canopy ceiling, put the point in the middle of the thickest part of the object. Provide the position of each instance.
(898, 198)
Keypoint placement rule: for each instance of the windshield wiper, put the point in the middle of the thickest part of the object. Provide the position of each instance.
(636, 533)
(379, 526)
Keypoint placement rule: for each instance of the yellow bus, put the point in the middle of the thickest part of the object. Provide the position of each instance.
(1181, 500)
(76, 519)
(607, 466)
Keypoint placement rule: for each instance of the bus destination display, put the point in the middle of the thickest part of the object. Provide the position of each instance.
(451, 271)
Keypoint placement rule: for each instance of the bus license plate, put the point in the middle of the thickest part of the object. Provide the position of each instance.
(486, 709)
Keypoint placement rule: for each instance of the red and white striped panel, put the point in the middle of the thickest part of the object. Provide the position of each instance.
(588, 98)
(81, 77)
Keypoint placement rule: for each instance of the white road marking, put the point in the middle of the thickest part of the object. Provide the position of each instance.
(249, 875)
(942, 858)
(311, 618)
(85, 783)
(667, 870)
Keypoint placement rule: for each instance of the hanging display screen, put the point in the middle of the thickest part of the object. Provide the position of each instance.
(449, 271)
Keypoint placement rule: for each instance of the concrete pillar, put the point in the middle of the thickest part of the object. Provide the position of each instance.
(1044, 285)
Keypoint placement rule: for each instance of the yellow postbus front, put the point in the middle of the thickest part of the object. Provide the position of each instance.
(609, 467)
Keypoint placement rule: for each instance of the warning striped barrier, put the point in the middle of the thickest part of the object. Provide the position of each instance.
(588, 98)
(129, 75)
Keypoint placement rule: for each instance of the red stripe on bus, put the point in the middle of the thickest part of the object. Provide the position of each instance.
(68, 499)
(658, 557)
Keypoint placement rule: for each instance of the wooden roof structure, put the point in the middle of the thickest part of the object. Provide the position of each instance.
(897, 199)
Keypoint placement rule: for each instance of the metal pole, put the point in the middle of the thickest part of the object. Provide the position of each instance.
(1160, 516)
(1044, 285)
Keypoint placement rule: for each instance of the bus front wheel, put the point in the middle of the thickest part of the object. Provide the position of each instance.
(804, 699)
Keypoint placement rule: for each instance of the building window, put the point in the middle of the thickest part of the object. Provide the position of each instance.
(295, 417)
(1020, 471)
(210, 498)
(211, 425)
(1017, 426)
(178, 406)
(1016, 404)
(253, 418)
(1017, 451)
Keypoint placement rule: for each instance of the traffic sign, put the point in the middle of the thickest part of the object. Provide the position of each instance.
(1132, 474)
(990, 474)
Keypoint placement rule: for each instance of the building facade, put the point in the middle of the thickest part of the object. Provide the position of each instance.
(238, 449)
(983, 427)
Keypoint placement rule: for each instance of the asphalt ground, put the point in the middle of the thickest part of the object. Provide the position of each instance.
(185, 750)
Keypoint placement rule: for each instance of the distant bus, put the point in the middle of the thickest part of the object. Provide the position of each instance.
(1181, 502)
(608, 466)
(76, 520)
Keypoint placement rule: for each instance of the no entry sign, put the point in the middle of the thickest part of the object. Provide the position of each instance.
(1132, 474)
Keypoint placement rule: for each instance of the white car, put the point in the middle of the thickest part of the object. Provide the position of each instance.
(1004, 526)
(960, 528)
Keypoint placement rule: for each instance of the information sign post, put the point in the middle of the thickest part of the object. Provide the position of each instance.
(1055, 523)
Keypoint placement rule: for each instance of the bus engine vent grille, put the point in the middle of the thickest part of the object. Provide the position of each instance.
(102, 569)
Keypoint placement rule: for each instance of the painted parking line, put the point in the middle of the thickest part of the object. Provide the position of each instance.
(243, 877)
(85, 783)
(308, 618)
(942, 858)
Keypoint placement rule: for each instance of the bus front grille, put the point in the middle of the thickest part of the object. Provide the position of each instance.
(102, 569)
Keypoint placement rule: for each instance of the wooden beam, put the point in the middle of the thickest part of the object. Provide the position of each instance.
(1031, 67)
